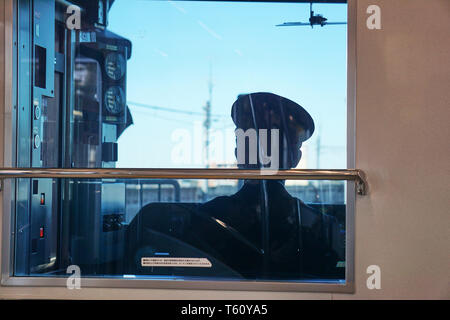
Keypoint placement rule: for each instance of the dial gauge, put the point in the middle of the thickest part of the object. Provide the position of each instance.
(115, 66)
(115, 100)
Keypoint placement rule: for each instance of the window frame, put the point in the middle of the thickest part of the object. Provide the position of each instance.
(9, 50)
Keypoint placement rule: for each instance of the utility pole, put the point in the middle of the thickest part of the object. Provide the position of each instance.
(207, 123)
(318, 151)
(319, 185)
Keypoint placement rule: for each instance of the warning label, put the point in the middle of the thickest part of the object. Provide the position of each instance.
(176, 262)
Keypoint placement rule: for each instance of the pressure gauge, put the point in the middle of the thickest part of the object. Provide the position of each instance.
(115, 66)
(36, 141)
(115, 100)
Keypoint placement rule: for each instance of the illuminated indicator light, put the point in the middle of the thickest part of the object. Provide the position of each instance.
(41, 232)
(42, 198)
(77, 113)
(162, 254)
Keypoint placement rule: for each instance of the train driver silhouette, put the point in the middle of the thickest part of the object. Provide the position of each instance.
(260, 232)
(293, 240)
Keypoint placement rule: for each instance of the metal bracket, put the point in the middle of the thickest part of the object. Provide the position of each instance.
(361, 183)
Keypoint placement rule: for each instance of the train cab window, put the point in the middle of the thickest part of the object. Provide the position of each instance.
(182, 85)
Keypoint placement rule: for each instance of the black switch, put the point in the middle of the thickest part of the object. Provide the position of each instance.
(35, 186)
(109, 151)
(34, 244)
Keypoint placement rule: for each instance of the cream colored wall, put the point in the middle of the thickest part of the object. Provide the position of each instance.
(402, 143)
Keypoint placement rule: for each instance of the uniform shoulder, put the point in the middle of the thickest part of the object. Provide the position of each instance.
(219, 203)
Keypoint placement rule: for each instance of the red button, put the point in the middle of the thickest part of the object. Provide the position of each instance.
(42, 198)
(41, 232)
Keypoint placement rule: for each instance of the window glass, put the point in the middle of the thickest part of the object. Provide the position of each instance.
(247, 230)
(184, 84)
(190, 61)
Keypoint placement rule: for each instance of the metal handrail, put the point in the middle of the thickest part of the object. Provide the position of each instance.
(126, 173)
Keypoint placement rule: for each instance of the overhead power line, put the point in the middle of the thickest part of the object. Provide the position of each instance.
(191, 113)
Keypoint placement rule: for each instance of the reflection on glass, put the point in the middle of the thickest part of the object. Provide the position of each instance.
(255, 230)
(191, 60)
(260, 232)
(190, 84)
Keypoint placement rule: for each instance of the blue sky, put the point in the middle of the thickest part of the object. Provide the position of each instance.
(177, 44)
